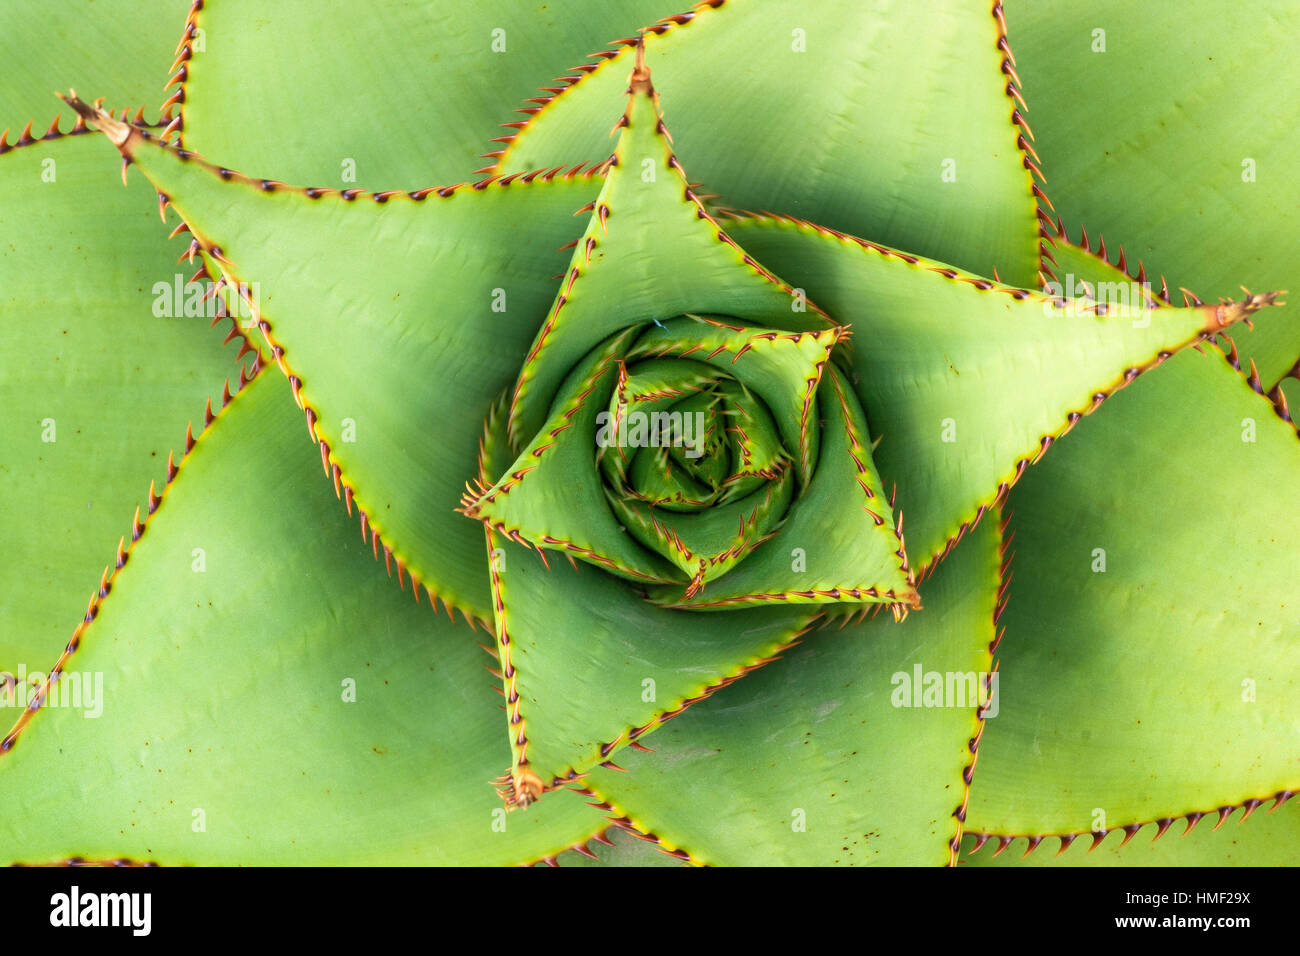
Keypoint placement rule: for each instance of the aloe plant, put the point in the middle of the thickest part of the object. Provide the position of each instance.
(654, 459)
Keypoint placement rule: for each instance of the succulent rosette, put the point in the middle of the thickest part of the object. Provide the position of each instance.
(646, 428)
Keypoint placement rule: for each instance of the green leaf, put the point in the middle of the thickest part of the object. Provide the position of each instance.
(911, 142)
(821, 758)
(650, 252)
(281, 704)
(839, 543)
(1289, 392)
(706, 544)
(1187, 158)
(1266, 839)
(404, 96)
(103, 369)
(1152, 647)
(758, 450)
(625, 849)
(588, 665)
(551, 497)
(117, 48)
(782, 370)
(966, 381)
(666, 460)
(400, 318)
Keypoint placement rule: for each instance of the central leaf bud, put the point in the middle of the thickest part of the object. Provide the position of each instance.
(692, 462)
(675, 452)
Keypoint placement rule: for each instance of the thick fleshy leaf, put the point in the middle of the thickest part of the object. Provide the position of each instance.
(399, 319)
(669, 438)
(839, 544)
(637, 452)
(842, 752)
(598, 666)
(103, 368)
(966, 381)
(1188, 160)
(649, 253)
(253, 688)
(589, 665)
(555, 496)
(1152, 648)
(706, 545)
(1265, 839)
(783, 370)
(759, 452)
(551, 497)
(413, 90)
(912, 141)
(707, 533)
(118, 48)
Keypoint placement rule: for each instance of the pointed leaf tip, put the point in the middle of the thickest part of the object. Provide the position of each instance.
(639, 82)
(1229, 313)
(96, 117)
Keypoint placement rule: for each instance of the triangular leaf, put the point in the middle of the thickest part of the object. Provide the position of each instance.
(839, 544)
(1187, 160)
(108, 354)
(966, 381)
(839, 753)
(915, 138)
(282, 702)
(590, 666)
(119, 48)
(551, 497)
(424, 305)
(1150, 663)
(400, 112)
(650, 252)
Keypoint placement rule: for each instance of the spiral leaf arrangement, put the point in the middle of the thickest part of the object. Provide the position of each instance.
(646, 408)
